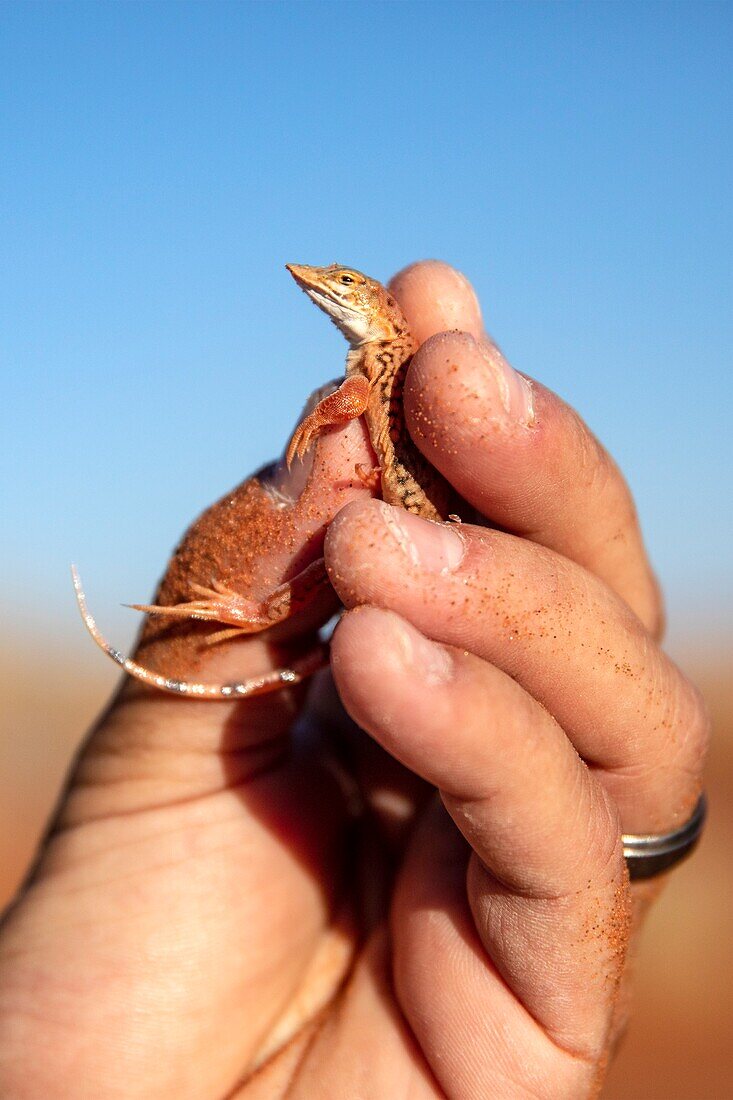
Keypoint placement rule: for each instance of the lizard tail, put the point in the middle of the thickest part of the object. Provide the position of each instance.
(258, 685)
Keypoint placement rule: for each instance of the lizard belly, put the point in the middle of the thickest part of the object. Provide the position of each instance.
(408, 479)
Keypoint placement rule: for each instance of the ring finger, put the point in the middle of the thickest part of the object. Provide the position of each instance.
(545, 882)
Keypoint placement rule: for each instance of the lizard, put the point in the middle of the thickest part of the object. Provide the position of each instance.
(380, 350)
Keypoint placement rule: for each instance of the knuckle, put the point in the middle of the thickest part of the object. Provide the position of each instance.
(605, 849)
(652, 611)
(593, 464)
(607, 483)
(617, 540)
(681, 732)
(693, 723)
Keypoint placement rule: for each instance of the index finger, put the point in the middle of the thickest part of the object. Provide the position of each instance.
(513, 449)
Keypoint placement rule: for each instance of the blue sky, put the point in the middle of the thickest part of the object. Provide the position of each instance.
(160, 163)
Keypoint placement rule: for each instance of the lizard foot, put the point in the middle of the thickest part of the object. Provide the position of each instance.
(239, 614)
(370, 479)
(344, 404)
(303, 436)
(216, 604)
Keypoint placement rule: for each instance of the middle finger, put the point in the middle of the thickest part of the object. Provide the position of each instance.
(552, 626)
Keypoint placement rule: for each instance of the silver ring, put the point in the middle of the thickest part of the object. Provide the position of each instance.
(649, 855)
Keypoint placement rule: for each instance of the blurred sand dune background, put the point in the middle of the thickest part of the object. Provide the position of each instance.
(167, 159)
(678, 1047)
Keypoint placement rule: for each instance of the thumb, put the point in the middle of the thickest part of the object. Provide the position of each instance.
(267, 531)
(189, 875)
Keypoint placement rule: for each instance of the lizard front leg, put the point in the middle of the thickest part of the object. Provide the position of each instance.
(344, 404)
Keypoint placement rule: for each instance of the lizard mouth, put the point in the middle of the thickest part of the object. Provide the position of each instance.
(350, 321)
(302, 274)
(327, 301)
(310, 280)
(323, 296)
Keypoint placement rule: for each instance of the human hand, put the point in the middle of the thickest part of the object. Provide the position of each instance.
(220, 895)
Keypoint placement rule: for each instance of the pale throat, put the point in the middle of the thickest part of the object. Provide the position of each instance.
(356, 326)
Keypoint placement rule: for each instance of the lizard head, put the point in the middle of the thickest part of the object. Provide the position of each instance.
(359, 306)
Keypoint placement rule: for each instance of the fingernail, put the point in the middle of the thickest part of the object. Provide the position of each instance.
(434, 547)
(515, 392)
(422, 659)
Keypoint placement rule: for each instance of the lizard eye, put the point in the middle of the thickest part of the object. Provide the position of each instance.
(346, 279)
